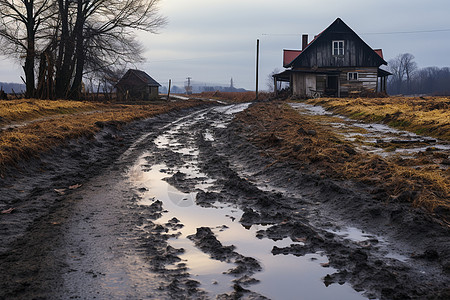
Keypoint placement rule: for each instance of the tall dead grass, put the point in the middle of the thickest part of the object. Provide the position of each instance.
(27, 109)
(31, 139)
(287, 135)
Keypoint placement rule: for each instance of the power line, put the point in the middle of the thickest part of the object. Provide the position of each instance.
(368, 33)
(407, 32)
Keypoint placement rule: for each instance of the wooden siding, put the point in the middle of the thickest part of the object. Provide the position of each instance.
(320, 55)
(302, 84)
(367, 80)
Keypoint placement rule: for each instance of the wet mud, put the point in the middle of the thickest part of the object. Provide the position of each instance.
(183, 206)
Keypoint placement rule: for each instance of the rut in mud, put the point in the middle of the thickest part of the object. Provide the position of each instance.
(193, 211)
(220, 219)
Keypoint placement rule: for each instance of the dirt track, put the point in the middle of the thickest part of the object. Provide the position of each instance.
(168, 205)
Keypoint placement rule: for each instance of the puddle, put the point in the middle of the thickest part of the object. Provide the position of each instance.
(366, 239)
(315, 110)
(406, 143)
(282, 277)
(354, 234)
(208, 136)
(232, 109)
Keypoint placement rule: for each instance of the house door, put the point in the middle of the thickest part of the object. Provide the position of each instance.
(332, 85)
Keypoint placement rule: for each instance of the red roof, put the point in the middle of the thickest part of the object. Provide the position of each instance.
(290, 55)
(379, 52)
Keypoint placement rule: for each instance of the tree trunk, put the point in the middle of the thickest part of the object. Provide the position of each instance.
(65, 55)
(75, 90)
(30, 56)
(28, 69)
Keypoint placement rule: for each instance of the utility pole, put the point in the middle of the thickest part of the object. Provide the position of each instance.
(257, 65)
(188, 87)
(168, 91)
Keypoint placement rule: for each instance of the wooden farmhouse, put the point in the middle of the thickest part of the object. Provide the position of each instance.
(137, 85)
(336, 63)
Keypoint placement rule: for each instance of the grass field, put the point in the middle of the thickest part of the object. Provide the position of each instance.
(41, 124)
(22, 110)
(285, 134)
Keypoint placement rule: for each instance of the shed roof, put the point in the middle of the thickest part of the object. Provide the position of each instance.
(137, 77)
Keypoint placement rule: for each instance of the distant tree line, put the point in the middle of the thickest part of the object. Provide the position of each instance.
(8, 87)
(201, 88)
(60, 42)
(408, 79)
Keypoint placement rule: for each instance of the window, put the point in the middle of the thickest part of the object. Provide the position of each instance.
(352, 76)
(338, 47)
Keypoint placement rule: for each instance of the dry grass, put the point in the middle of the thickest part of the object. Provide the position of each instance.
(27, 109)
(422, 115)
(233, 97)
(38, 136)
(287, 135)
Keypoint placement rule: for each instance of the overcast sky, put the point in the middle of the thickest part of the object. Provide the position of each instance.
(213, 41)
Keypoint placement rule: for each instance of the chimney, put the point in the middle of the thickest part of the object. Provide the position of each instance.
(304, 41)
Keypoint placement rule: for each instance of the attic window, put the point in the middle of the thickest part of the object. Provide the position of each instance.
(338, 47)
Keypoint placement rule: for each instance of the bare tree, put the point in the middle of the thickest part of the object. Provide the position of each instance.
(270, 82)
(403, 68)
(410, 67)
(72, 37)
(102, 36)
(21, 26)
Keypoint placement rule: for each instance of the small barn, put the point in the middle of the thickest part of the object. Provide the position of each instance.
(336, 63)
(137, 85)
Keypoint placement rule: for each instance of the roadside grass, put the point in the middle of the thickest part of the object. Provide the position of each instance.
(285, 134)
(422, 115)
(80, 119)
(28, 109)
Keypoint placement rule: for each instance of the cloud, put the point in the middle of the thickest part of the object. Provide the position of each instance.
(212, 41)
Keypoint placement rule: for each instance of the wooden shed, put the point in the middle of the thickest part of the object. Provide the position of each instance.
(336, 63)
(137, 85)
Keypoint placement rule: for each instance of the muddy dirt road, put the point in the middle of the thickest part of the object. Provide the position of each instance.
(183, 207)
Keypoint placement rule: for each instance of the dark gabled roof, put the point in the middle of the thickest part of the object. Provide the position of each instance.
(337, 22)
(383, 73)
(137, 77)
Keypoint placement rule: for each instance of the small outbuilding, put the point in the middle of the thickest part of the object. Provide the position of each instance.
(137, 85)
(336, 63)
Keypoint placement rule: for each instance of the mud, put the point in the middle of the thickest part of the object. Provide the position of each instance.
(170, 207)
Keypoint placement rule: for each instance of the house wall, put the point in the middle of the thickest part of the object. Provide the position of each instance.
(302, 84)
(154, 92)
(367, 80)
(133, 92)
(356, 52)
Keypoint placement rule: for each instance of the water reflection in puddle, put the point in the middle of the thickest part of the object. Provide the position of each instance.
(283, 276)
